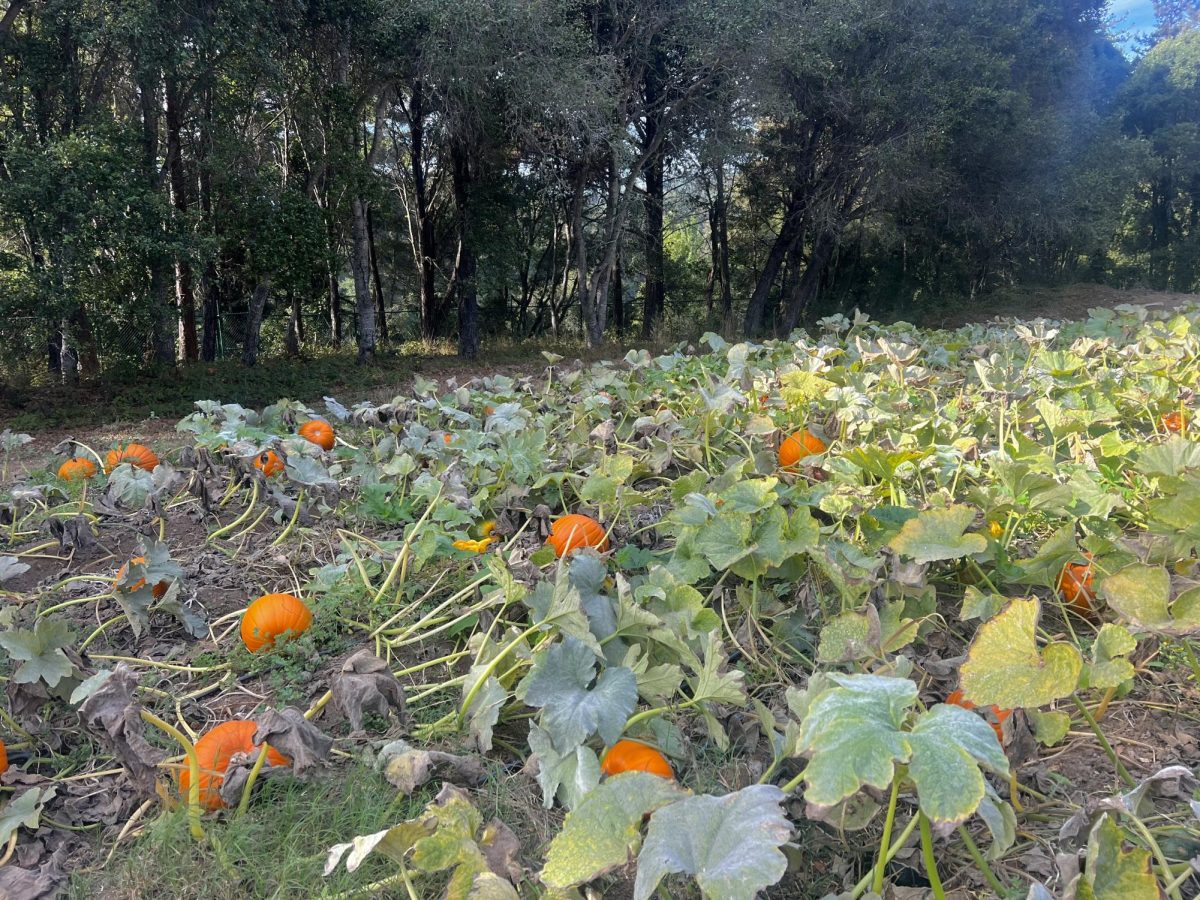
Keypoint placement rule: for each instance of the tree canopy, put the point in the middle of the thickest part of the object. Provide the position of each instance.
(192, 180)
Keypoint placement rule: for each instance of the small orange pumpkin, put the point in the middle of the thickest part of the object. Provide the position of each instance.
(447, 438)
(269, 463)
(489, 410)
(317, 432)
(214, 750)
(271, 616)
(158, 590)
(573, 531)
(634, 756)
(1075, 585)
(799, 445)
(957, 699)
(1174, 422)
(137, 455)
(78, 468)
(3, 758)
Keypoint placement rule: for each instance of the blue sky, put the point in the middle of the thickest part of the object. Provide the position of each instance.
(1133, 15)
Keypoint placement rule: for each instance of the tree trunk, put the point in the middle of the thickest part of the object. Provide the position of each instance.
(360, 265)
(258, 302)
(721, 240)
(809, 284)
(789, 234)
(209, 287)
(381, 322)
(468, 303)
(618, 295)
(185, 298)
(335, 309)
(654, 149)
(291, 345)
(424, 248)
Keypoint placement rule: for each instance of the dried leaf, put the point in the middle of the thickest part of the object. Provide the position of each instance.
(111, 714)
(408, 768)
(365, 685)
(295, 737)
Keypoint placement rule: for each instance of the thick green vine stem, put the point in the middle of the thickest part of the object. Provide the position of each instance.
(1122, 772)
(189, 749)
(244, 802)
(981, 862)
(885, 842)
(935, 881)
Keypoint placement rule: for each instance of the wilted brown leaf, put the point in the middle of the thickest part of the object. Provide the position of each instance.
(111, 714)
(365, 685)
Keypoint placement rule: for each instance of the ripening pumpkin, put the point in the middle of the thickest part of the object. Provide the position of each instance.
(447, 437)
(573, 531)
(3, 758)
(269, 463)
(957, 699)
(799, 445)
(270, 616)
(158, 590)
(214, 750)
(78, 468)
(137, 455)
(1075, 585)
(634, 756)
(1174, 422)
(317, 432)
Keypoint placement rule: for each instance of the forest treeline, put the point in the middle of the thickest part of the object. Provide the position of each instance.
(186, 179)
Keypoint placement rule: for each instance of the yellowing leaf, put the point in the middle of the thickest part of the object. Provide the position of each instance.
(1142, 595)
(937, 534)
(1004, 666)
(1112, 873)
(605, 830)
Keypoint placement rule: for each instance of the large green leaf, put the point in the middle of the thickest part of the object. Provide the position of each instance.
(1113, 873)
(605, 830)
(1005, 668)
(729, 844)
(1141, 594)
(949, 744)
(1109, 667)
(560, 682)
(25, 809)
(565, 776)
(40, 650)
(852, 736)
(937, 534)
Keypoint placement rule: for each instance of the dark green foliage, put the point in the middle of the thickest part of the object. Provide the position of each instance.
(182, 183)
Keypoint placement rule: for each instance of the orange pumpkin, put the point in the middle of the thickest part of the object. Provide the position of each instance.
(1174, 422)
(78, 468)
(317, 432)
(158, 590)
(214, 750)
(269, 463)
(799, 445)
(573, 531)
(634, 756)
(489, 410)
(269, 617)
(3, 758)
(137, 455)
(447, 438)
(1075, 585)
(957, 699)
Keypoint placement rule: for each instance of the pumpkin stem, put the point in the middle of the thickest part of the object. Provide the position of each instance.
(885, 842)
(244, 802)
(189, 749)
(931, 872)
(237, 523)
(1111, 753)
(291, 522)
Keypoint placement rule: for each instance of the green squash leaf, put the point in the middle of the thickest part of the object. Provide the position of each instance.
(729, 844)
(937, 534)
(1113, 873)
